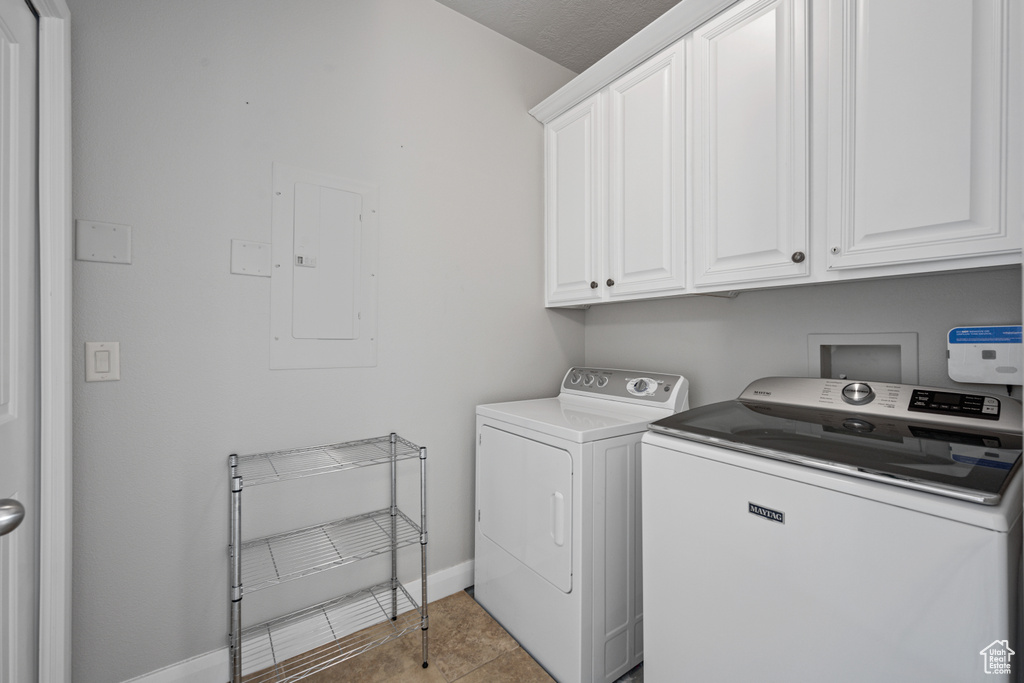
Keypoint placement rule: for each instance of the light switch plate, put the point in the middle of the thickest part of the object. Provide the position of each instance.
(103, 242)
(102, 361)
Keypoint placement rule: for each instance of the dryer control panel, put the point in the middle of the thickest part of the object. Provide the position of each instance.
(655, 389)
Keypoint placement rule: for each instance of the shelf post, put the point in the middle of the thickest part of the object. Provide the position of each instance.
(235, 552)
(235, 563)
(423, 547)
(394, 526)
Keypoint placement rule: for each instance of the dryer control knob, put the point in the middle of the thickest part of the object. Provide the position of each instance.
(858, 393)
(641, 386)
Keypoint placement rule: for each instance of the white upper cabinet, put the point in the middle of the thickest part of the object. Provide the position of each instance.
(646, 226)
(750, 144)
(573, 229)
(918, 116)
(782, 142)
(614, 194)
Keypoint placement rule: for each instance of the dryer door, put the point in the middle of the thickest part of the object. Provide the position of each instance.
(526, 502)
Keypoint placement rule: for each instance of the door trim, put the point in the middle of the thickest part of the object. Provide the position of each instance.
(55, 251)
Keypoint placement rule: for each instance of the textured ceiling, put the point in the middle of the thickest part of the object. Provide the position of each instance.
(573, 33)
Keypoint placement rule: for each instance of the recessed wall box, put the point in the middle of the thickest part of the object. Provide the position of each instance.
(985, 355)
(878, 356)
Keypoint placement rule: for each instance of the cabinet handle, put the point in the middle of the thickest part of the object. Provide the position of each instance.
(610, 282)
(593, 285)
(798, 257)
(834, 250)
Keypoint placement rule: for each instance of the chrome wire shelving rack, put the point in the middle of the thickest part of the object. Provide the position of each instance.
(312, 639)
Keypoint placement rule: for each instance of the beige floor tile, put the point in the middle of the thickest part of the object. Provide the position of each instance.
(511, 667)
(463, 636)
(465, 645)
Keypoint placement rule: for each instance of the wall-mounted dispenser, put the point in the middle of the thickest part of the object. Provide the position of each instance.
(985, 355)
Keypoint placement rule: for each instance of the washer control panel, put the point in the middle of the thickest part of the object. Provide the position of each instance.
(952, 403)
(647, 388)
(886, 399)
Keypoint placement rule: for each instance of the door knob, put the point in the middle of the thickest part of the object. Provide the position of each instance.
(610, 282)
(11, 514)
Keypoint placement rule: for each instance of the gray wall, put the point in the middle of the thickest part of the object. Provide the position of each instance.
(179, 110)
(721, 345)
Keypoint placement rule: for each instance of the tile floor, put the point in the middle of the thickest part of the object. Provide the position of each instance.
(465, 645)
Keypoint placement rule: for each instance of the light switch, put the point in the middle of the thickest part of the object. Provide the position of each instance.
(102, 361)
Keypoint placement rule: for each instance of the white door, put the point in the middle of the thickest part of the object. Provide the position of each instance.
(918, 130)
(573, 231)
(526, 502)
(750, 150)
(646, 238)
(19, 341)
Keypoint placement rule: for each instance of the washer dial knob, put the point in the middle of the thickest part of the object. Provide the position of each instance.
(858, 393)
(588, 380)
(575, 377)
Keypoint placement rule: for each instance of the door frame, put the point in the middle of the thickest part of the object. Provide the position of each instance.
(55, 257)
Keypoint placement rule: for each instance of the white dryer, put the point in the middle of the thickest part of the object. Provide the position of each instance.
(558, 536)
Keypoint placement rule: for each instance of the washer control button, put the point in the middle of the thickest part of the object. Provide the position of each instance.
(588, 380)
(602, 381)
(858, 393)
(575, 377)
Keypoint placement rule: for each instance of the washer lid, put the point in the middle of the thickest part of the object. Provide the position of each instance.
(964, 462)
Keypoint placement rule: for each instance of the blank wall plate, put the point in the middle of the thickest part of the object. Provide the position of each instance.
(250, 258)
(103, 242)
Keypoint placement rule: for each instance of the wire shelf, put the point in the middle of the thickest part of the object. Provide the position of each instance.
(266, 468)
(311, 640)
(275, 559)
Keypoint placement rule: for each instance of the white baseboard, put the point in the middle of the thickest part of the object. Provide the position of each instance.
(212, 667)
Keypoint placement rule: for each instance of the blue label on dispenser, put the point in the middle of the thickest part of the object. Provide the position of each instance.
(1004, 334)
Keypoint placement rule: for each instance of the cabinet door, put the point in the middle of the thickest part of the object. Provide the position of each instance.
(573, 213)
(750, 147)
(918, 117)
(646, 227)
